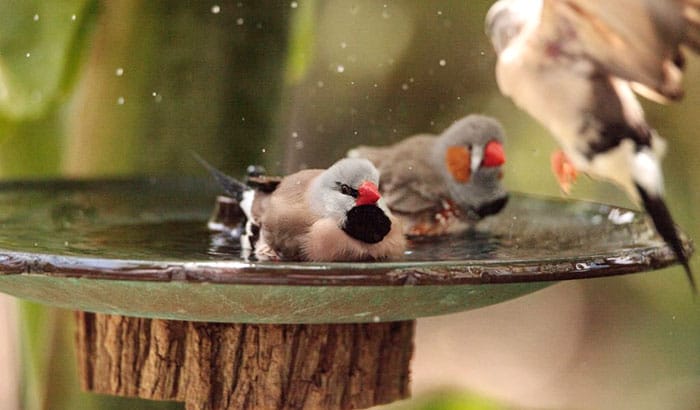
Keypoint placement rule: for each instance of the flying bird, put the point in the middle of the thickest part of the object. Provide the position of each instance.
(328, 215)
(443, 184)
(575, 66)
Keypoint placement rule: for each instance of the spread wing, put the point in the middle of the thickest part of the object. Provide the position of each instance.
(408, 181)
(636, 40)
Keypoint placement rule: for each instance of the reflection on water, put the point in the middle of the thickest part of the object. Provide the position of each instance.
(166, 220)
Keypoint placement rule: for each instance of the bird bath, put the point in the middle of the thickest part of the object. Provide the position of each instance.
(167, 310)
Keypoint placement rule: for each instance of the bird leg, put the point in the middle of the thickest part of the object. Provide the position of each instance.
(564, 170)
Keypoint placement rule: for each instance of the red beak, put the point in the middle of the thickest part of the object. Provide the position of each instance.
(368, 194)
(494, 155)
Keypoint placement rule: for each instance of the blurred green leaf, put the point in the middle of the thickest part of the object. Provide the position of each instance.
(40, 43)
(36, 328)
(31, 147)
(446, 400)
(301, 43)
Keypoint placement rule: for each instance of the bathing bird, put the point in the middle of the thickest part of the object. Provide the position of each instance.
(336, 214)
(443, 184)
(575, 66)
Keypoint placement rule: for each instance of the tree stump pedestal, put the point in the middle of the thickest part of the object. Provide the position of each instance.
(222, 366)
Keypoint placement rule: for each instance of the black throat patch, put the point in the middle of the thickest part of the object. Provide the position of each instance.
(367, 223)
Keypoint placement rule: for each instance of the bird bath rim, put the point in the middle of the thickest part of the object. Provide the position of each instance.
(394, 273)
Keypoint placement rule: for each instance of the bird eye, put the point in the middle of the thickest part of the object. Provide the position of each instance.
(346, 189)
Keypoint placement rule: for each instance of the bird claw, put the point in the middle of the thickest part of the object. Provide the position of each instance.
(564, 170)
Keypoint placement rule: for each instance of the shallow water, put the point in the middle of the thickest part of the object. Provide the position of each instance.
(166, 220)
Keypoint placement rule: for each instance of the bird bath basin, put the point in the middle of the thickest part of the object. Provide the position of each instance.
(140, 247)
(167, 310)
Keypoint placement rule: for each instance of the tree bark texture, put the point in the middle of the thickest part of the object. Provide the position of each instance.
(245, 366)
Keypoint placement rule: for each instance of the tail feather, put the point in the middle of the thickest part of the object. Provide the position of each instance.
(230, 185)
(660, 215)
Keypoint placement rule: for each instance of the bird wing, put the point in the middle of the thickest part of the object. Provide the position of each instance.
(636, 40)
(408, 181)
(285, 215)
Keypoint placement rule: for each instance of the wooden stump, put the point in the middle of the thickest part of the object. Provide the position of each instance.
(245, 366)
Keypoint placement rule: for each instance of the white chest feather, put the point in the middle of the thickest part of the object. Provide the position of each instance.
(556, 95)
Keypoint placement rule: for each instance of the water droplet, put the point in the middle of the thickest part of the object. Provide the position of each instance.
(340, 68)
(619, 217)
(439, 12)
(293, 4)
(295, 134)
(264, 150)
(443, 63)
(73, 17)
(240, 21)
(482, 52)
(28, 55)
(65, 243)
(343, 45)
(36, 17)
(121, 100)
(119, 72)
(376, 319)
(216, 9)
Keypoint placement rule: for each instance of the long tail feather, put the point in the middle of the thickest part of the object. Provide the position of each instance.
(230, 185)
(660, 215)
